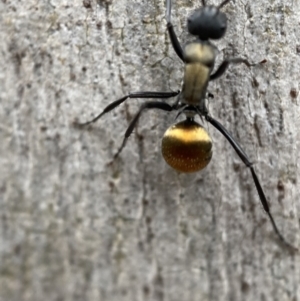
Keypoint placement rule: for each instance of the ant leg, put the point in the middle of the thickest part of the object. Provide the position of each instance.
(173, 37)
(223, 3)
(223, 67)
(147, 105)
(247, 162)
(116, 103)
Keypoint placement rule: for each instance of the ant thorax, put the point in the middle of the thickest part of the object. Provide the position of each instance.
(199, 59)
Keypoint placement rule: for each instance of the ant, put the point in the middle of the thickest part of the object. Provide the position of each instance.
(186, 145)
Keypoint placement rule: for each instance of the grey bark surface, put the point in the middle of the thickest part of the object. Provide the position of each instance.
(74, 228)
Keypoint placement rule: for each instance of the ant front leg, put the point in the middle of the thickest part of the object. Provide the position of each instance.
(173, 37)
(223, 67)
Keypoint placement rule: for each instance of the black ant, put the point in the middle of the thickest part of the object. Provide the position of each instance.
(186, 145)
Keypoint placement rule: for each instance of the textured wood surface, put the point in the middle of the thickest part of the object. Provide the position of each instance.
(74, 228)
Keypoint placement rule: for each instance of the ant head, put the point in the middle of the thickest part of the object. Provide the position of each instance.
(208, 22)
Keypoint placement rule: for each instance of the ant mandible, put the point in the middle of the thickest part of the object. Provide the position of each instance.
(186, 145)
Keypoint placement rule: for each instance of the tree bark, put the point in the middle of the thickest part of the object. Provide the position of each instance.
(74, 227)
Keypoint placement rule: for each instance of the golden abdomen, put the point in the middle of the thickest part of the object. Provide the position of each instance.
(186, 146)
